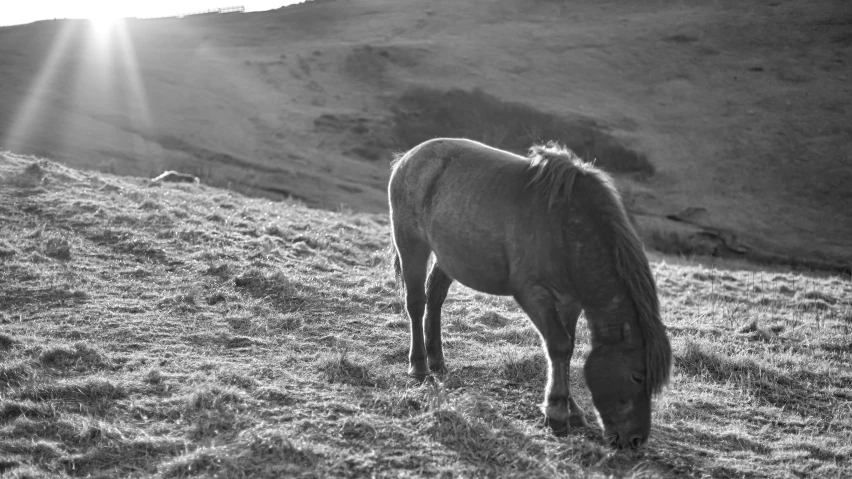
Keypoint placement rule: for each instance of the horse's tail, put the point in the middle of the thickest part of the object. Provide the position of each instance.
(397, 275)
(397, 266)
(393, 257)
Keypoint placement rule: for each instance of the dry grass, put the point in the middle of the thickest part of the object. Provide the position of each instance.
(185, 331)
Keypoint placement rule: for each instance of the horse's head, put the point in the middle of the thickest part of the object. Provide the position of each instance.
(615, 374)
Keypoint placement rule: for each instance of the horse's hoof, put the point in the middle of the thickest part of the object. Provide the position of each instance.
(418, 375)
(577, 420)
(558, 428)
(438, 367)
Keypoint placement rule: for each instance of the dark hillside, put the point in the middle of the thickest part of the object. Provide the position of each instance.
(729, 120)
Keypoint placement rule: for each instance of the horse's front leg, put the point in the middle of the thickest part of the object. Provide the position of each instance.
(568, 314)
(436, 292)
(558, 405)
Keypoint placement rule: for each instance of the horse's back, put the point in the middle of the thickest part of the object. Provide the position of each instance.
(470, 204)
(434, 167)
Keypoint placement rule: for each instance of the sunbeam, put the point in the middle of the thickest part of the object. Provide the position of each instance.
(40, 91)
(103, 23)
(91, 74)
(135, 98)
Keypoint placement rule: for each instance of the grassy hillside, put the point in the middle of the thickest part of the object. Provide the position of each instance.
(728, 120)
(187, 331)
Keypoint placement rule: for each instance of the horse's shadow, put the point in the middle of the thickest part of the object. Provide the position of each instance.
(674, 449)
(716, 430)
(518, 384)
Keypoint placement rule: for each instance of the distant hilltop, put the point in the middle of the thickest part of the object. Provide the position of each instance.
(237, 9)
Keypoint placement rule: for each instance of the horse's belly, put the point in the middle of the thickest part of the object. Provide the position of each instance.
(485, 281)
(484, 271)
(472, 222)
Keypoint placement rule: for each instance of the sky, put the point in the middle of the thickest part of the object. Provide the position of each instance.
(16, 12)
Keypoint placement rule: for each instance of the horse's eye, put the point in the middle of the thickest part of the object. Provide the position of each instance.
(637, 378)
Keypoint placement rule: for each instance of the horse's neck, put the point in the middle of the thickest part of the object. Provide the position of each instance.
(610, 333)
(614, 326)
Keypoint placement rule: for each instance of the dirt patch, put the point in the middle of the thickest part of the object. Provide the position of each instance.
(680, 38)
(357, 136)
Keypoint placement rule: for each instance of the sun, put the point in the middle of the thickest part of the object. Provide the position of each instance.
(106, 57)
(103, 17)
(104, 22)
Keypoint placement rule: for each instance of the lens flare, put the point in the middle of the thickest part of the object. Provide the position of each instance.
(88, 93)
(103, 23)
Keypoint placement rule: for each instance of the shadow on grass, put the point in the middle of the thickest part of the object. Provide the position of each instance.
(78, 356)
(425, 113)
(284, 293)
(91, 391)
(681, 451)
(14, 372)
(13, 298)
(10, 410)
(792, 392)
(340, 369)
(524, 370)
(123, 456)
(398, 355)
(127, 243)
(477, 433)
(265, 454)
(83, 446)
(486, 437)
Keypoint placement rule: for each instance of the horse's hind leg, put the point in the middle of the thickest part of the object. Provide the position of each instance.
(414, 257)
(568, 314)
(539, 305)
(436, 292)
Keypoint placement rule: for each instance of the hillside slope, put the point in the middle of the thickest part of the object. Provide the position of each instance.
(186, 331)
(741, 108)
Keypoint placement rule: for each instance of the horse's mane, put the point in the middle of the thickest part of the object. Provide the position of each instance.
(555, 170)
(396, 157)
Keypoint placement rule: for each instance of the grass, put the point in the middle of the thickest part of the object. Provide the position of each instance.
(185, 331)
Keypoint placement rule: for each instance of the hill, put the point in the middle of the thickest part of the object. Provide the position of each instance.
(188, 331)
(728, 122)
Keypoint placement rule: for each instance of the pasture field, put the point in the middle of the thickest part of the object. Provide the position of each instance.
(187, 331)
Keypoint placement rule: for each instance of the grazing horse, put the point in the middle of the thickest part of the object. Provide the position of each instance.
(549, 230)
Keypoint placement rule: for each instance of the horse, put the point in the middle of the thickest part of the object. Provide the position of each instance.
(551, 231)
